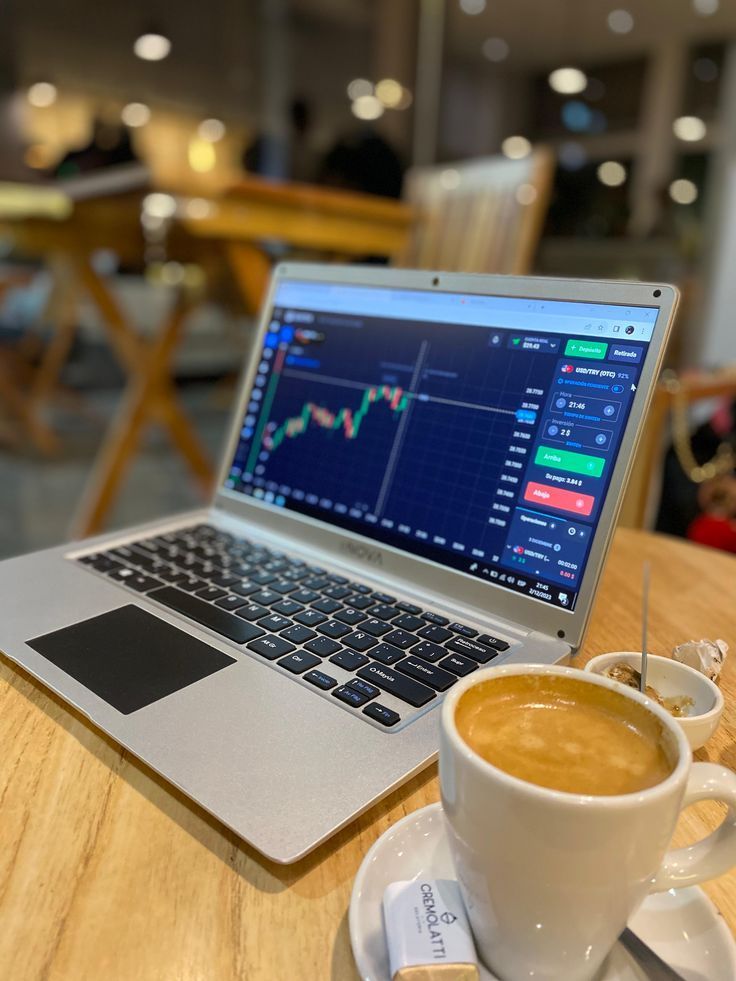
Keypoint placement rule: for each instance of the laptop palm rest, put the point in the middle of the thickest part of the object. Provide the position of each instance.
(129, 657)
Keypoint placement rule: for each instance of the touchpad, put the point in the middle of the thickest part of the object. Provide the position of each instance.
(129, 657)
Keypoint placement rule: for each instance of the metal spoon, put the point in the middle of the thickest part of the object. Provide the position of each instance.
(656, 968)
(644, 626)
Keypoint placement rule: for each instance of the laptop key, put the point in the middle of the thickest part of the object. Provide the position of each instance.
(226, 579)
(350, 660)
(384, 597)
(245, 587)
(271, 647)
(275, 622)
(375, 627)
(408, 622)
(283, 586)
(231, 602)
(350, 616)
(384, 612)
(332, 628)
(400, 638)
(490, 641)
(299, 661)
(263, 578)
(409, 607)
(398, 684)
(458, 664)
(435, 633)
(322, 646)
(359, 641)
(359, 602)
(304, 596)
(310, 618)
(387, 654)
(205, 613)
(192, 585)
(327, 605)
(429, 651)
(210, 593)
(287, 607)
(141, 583)
(320, 680)
(265, 597)
(370, 691)
(460, 628)
(386, 716)
(253, 612)
(430, 674)
(463, 645)
(436, 618)
(298, 634)
(350, 696)
(337, 592)
(340, 580)
(362, 588)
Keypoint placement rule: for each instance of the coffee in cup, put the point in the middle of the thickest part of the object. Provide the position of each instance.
(561, 733)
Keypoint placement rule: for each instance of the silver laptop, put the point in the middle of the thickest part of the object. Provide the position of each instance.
(421, 479)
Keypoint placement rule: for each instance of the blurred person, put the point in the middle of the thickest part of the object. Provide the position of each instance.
(110, 145)
(363, 161)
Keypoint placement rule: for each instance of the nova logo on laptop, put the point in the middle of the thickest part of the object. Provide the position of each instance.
(363, 552)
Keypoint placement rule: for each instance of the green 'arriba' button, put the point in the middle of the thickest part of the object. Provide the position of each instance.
(586, 349)
(589, 466)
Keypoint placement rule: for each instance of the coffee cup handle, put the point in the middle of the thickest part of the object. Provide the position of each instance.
(716, 853)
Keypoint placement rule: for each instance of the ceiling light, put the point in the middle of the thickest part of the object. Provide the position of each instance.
(199, 208)
(135, 114)
(389, 92)
(516, 147)
(526, 194)
(495, 49)
(358, 87)
(620, 21)
(42, 94)
(152, 46)
(159, 205)
(211, 130)
(706, 7)
(611, 173)
(367, 107)
(472, 7)
(689, 128)
(201, 155)
(568, 81)
(406, 99)
(450, 179)
(683, 191)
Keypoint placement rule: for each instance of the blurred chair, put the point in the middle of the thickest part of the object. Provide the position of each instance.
(673, 401)
(478, 216)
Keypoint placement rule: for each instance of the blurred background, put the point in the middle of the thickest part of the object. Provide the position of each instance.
(157, 158)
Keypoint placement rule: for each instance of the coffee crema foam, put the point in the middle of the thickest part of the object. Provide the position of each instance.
(564, 734)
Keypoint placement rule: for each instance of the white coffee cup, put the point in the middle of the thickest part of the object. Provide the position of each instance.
(550, 878)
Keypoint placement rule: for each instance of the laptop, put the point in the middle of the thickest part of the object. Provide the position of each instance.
(421, 479)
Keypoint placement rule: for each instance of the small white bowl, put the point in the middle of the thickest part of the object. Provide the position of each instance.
(669, 677)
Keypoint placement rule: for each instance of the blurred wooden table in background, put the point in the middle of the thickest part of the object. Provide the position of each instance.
(106, 872)
(238, 229)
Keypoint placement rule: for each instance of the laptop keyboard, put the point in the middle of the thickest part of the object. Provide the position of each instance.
(338, 635)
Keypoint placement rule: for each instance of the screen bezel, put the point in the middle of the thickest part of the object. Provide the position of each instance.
(426, 574)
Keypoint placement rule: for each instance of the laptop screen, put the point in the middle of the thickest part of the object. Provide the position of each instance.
(477, 431)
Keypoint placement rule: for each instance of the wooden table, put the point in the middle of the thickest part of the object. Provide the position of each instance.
(107, 874)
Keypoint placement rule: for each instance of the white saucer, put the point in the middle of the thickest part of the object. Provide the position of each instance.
(683, 926)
